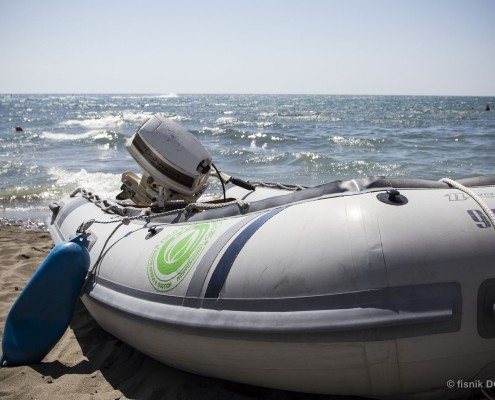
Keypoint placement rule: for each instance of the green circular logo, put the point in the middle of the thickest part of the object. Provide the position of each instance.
(173, 258)
(176, 250)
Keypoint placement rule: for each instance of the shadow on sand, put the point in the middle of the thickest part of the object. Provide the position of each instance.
(139, 377)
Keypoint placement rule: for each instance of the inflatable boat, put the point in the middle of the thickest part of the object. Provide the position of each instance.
(376, 287)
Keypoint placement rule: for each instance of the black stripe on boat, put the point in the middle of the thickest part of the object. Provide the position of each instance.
(222, 270)
(198, 279)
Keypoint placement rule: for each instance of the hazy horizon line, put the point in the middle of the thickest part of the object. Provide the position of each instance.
(177, 94)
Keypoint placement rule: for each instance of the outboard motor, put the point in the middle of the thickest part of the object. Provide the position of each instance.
(175, 164)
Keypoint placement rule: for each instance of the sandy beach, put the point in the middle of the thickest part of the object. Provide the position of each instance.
(89, 363)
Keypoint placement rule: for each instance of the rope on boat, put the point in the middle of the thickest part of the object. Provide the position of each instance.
(146, 213)
(279, 186)
(474, 196)
(93, 272)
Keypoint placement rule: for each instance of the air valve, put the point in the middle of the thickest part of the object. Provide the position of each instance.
(393, 197)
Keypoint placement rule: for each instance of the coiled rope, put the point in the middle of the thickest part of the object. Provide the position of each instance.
(474, 196)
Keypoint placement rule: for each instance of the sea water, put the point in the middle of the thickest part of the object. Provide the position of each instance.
(71, 141)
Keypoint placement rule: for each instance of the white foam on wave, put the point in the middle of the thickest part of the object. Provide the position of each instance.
(111, 121)
(268, 114)
(136, 117)
(178, 118)
(256, 135)
(106, 185)
(71, 136)
(307, 155)
(28, 201)
(103, 127)
(227, 120)
(108, 122)
(92, 134)
(213, 131)
(353, 141)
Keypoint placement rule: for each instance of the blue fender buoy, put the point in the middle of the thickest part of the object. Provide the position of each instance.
(44, 309)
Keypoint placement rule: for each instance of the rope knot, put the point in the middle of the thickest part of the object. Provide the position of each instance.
(126, 221)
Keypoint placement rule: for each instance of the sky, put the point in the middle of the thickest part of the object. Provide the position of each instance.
(389, 47)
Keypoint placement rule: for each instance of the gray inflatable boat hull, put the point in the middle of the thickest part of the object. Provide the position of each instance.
(328, 290)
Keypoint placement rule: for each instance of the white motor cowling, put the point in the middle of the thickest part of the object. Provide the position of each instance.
(174, 162)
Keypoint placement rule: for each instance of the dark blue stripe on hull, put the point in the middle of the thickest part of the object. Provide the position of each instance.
(222, 270)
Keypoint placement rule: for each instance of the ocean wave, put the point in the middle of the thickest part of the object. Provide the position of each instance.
(227, 120)
(307, 164)
(104, 184)
(267, 159)
(92, 135)
(267, 114)
(17, 168)
(319, 170)
(61, 183)
(109, 121)
(26, 194)
(212, 131)
(234, 121)
(364, 168)
(96, 123)
(352, 142)
(226, 133)
(176, 117)
(115, 122)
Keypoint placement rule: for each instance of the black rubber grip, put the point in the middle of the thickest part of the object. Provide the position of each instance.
(242, 184)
